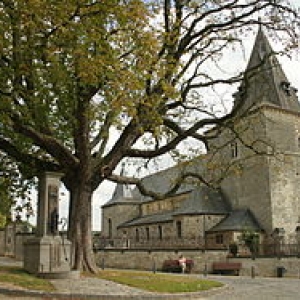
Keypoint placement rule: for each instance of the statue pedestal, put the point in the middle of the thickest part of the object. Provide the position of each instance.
(48, 255)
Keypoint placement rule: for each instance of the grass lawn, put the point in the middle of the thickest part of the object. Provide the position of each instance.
(20, 278)
(158, 282)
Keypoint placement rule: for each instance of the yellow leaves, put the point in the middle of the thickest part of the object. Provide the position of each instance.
(169, 91)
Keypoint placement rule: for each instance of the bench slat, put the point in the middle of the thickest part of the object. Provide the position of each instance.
(227, 266)
(223, 267)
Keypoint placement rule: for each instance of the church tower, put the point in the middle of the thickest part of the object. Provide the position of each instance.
(122, 207)
(265, 155)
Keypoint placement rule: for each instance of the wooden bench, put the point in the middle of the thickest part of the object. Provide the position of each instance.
(226, 268)
(173, 266)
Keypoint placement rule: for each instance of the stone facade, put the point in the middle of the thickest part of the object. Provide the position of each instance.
(12, 238)
(124, 212)
(255, 160)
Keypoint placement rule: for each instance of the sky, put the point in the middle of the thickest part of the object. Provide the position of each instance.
(291, 66)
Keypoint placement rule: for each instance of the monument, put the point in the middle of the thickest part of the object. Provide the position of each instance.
(48, 254)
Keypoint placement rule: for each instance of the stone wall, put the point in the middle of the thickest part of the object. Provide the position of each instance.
(114, 215)
(150, 260)
(168, 204)
(267, 267)
(21, 238)
(283, 131)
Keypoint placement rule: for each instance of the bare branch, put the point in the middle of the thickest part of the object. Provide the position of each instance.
(154, 194)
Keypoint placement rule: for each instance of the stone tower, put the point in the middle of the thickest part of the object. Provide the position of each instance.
(265, 157)
(121, 208)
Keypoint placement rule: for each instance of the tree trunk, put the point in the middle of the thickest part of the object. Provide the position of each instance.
(80, 232)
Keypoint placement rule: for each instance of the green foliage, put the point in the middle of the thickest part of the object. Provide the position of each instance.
(233, 249)
(13, 186)
(161, 283)
(251, 240)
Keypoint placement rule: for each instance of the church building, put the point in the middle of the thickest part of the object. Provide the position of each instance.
(252, 165)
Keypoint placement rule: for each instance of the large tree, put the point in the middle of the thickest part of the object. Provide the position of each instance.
(84, 83)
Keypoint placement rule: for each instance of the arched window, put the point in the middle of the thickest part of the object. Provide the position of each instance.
(179, 229)
(234, 149)
(109, 228)
(160, 233)
(147, 233)
(137, 235)
(219, 239)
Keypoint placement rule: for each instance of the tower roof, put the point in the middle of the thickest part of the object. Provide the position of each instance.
(121, 195)
(265, 81)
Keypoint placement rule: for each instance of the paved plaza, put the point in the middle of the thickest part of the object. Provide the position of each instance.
(236, 287)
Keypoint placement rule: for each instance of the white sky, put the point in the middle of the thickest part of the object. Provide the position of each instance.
(291, 66)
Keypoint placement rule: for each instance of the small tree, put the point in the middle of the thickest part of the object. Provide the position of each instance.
(251, 240)
(234, 249)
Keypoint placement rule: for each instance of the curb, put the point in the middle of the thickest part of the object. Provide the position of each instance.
(77, 296)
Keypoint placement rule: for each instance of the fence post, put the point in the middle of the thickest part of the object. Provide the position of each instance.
(252, 272)
(154, 267)
(205, 270)
(102, 263)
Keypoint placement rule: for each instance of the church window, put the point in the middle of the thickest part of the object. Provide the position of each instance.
(160, 233)
(234, 149)
(219, 239)
(109, 228)
(137, 235)
(179, 229)
(158, 206)
(147, 233)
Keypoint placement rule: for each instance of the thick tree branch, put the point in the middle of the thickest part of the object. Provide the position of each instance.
(27, 159)
(54, 147)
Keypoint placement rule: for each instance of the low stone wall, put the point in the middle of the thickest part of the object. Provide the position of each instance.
(150, 260)
(267, 267)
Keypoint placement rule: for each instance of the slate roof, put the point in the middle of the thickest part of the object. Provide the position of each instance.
(265, 81)
(122, 195)
(237, 220)
(150, 219)
(204, 200)
(162, 181)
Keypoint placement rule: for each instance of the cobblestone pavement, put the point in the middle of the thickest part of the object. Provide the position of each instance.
(236, 287)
